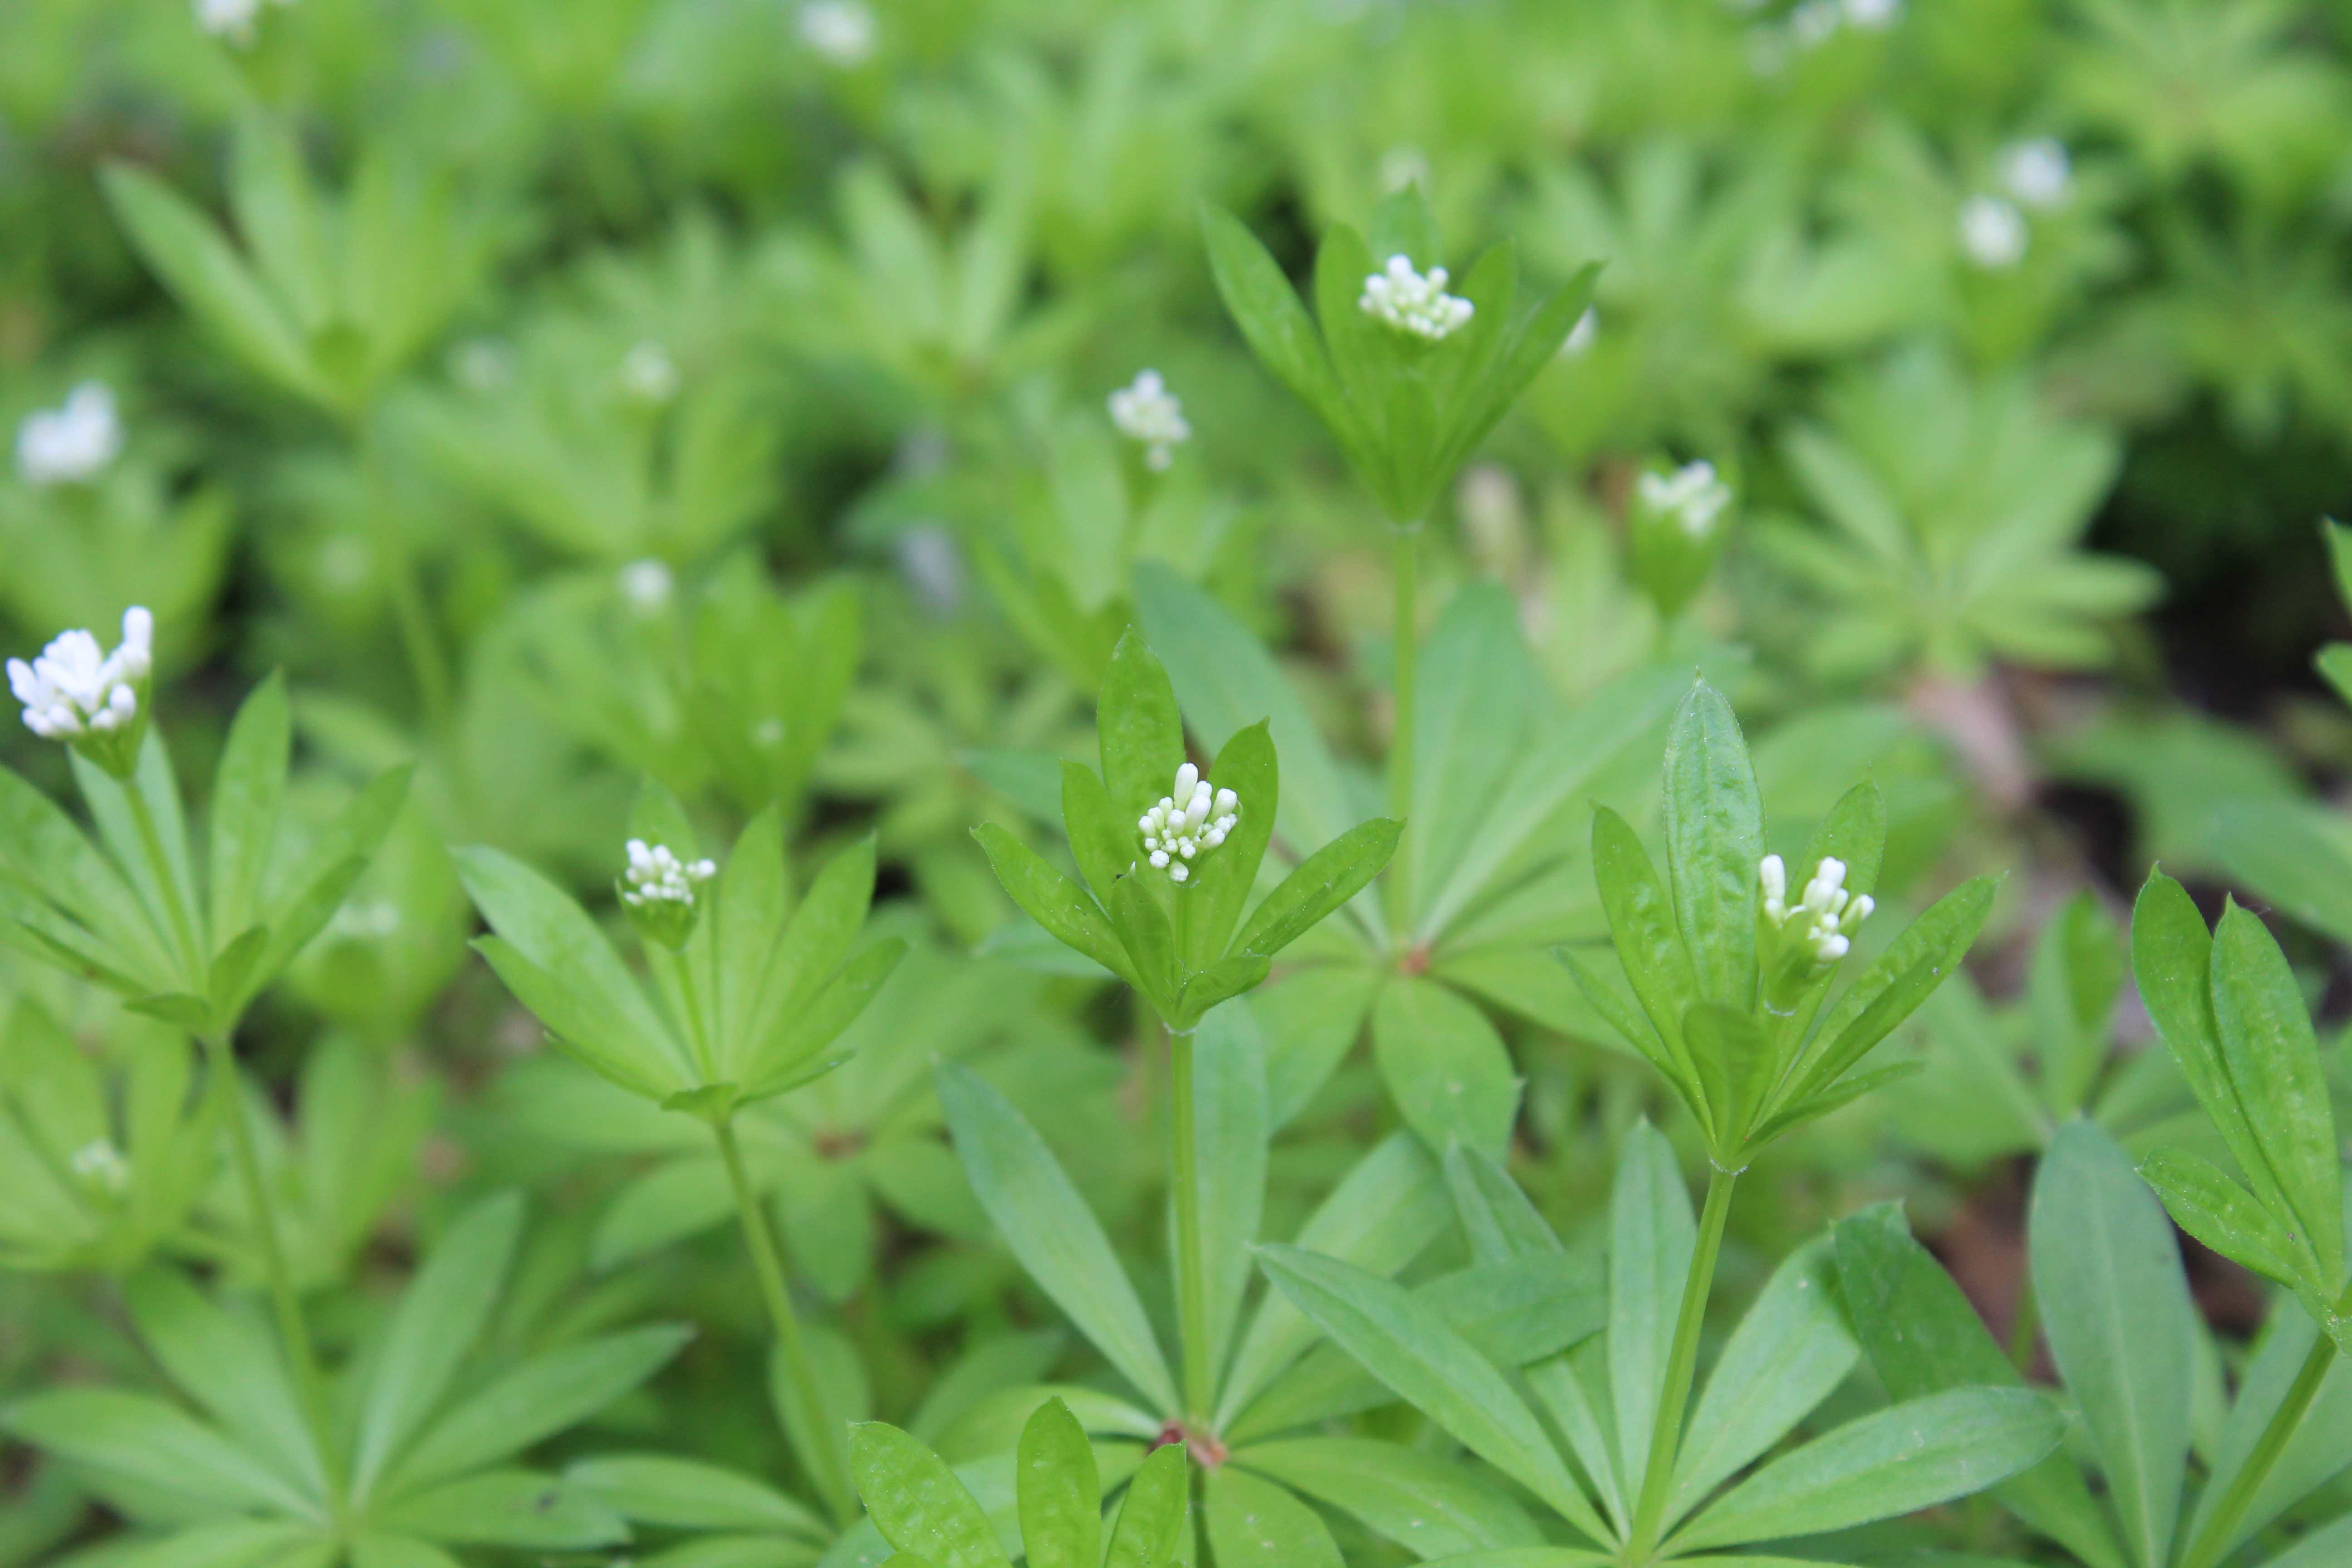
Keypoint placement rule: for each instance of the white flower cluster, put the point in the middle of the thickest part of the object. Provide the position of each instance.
(234, 20)
(646, 585)
(1413, 302)
(1826, 915)
(842, 31)
(1992, 232)
(649, 373)
(657, 876)
(71, 443)
(1173, 834)
(1691, 496)
(100, 1163)
(1147, 411)
(1810, 26)
(74, 689)
(2037, 171)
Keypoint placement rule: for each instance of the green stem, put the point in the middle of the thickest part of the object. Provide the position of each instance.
(829, 1466)
(1405, 634)
(2024, 1326)
(1192, 1267)
(184, 930)
(2214, 1541)
(1682, 1366)
(426, 663)
(310, 1382)
(697, 1035)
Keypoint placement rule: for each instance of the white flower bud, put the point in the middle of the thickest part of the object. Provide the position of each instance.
(1692, 496)
(74, 691)
(73, 443)
(1174, 834)
(1413, 302)
(1992, 233)
(1825, 917)
(2037, 173)
(841, 32)
(1146, 411)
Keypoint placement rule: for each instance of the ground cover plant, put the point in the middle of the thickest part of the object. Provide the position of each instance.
(814, 783)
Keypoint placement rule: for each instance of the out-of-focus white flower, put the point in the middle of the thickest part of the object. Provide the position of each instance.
(1412, 301)
(1814, 23)
(1992, 232)
(233, 20)
(1579, 336)
(1147, 411)
(649, 373)
(364, 919)
(842, 31)
(2038, 172)
(1192, 818)
(482, 364)
(101, 1164)
(1404, 165)
(1825, 916)
(1872, 16)
(1692, 496)
(75, 688)
(931, 562)
(646, 586)
(71, 443)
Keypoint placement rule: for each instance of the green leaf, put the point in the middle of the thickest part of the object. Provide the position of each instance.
(1446, 1068)
(1060, 1491)
(814, 944)
(2274, 1062)
(1527, 1309)
(376, 1549)
(1323, 882)
(1140, 735)
(1102, 842)
(1254, 1523)
(1788, 1354)
(1051, 1231)
(544, 1395)
(1221, 882)
(1217, 984)
(1928, 952)
(1054, 902)
(1893, 1461)
(688, 1494)
(1652, 1235)
(916, 1502)
(208, 278)
(150, 1442)
(1149, 939)
(2115, 1309)
(1273, 322)
(793, 1054)
(230, 1366)
(440, 1317)
(508, 1508)
(1379, 1217)
(1432, 1506)
(1231, 1135)
(1736, 1066)
(1410, 1348)
(247, 789)
(1656, 962)
(1150, 1531)
(1715, 840)
(44, 852)
(1500, 1222)
(2211, 1206)
(1922, 1337)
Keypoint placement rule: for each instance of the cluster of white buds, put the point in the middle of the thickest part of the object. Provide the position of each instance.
(101, 1164)
(1147, 412)
(1992, 232)
(841, 31)
(77, 693)
(1413, 302)
(1825, 916)
(657, 892)
(1189, 820)
(646, 585)
(73, 443)
(2037, 171)
(1692, 496)
(648, 375)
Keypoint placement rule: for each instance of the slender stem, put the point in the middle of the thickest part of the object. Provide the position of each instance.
(1405, 633)
(425, 664)
(2025, 1324)
(682, 976)
(1682, 1366)
(1192, 1267)
(183, 930)
(830, 1466)
(2214, 1541)
(310, 1382)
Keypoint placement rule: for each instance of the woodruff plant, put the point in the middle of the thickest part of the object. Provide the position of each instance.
(748, 992)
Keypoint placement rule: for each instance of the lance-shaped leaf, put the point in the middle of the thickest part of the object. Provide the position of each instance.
(916, 1502)
(1323, 882)
(1715, 840)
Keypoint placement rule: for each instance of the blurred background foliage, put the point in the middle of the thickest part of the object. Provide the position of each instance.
(715, 390)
